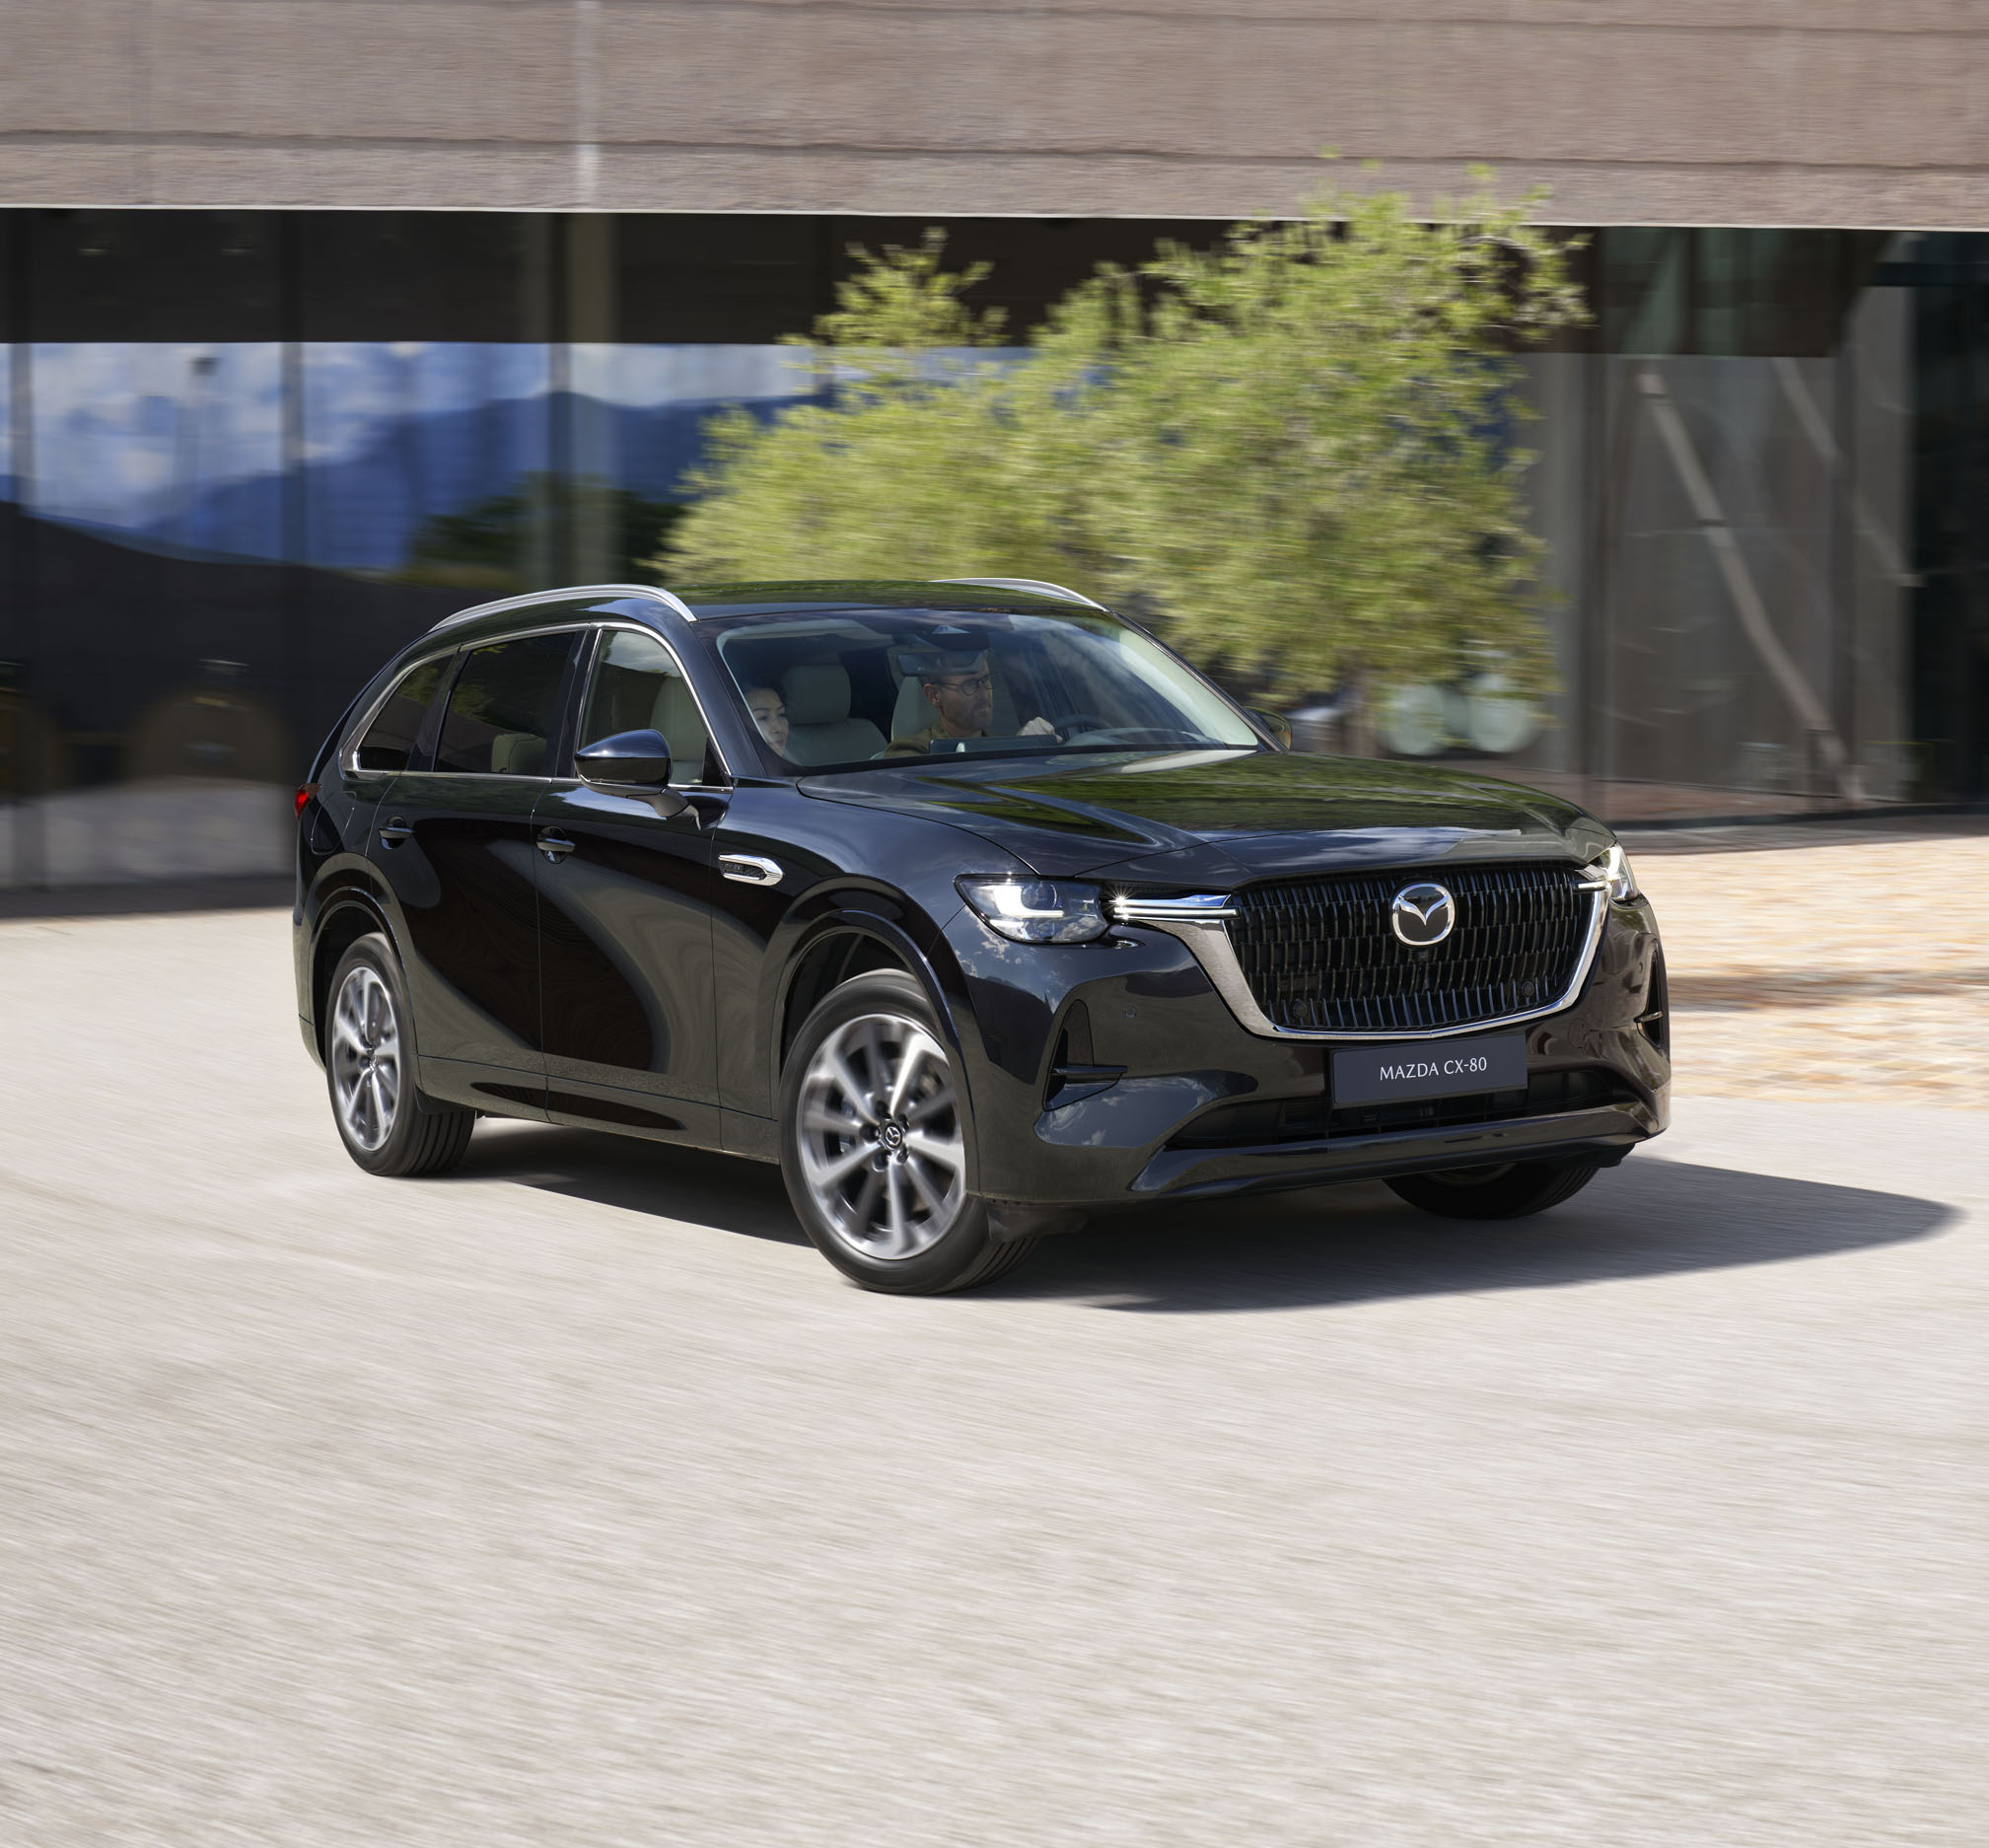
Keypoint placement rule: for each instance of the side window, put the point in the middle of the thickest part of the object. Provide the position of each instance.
(504, 708)
(638, 686)
(389, 740)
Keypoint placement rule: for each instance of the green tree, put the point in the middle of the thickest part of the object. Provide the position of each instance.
(1291, 451)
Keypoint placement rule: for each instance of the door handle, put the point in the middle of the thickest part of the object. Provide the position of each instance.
(555, 847)
(395, 832)
(748, 869)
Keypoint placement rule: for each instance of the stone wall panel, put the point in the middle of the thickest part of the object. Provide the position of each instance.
(1817, 112)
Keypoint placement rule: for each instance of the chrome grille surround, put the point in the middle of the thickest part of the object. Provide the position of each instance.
(1276, 950)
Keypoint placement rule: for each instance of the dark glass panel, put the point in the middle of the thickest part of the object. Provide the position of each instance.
(405, 276)
(1643, 288)
(638, 686)
(502, 708)
(731, 280)
(390, 739)
(210, 277)
(1950, 668)
(1744, 292)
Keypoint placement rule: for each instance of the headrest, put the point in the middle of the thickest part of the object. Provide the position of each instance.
(517, 754)
(913, 711)
(676, 715)
(817, 693)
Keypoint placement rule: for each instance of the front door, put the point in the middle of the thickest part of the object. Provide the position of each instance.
(626, 899)
(456, 843)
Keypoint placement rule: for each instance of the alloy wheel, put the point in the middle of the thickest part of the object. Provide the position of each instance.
(365, 1058)
(881, 1144)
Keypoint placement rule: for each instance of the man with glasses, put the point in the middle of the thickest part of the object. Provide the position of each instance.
(960, 688)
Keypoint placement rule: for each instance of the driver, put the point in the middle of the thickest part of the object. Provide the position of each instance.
(961, 689)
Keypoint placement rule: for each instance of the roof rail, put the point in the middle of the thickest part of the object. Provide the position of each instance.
(528, 598)
(1036, 585)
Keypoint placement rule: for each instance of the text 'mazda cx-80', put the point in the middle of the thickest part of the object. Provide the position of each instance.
(968, 903)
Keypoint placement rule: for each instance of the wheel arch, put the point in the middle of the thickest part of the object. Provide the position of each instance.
(837, 948)
(344, 923)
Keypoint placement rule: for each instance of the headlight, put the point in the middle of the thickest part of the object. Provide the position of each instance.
(1614, 867)
(1036, 910)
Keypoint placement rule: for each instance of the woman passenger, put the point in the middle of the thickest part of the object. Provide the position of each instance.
(769, 713)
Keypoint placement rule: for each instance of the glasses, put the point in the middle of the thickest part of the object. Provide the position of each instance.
(968, 684)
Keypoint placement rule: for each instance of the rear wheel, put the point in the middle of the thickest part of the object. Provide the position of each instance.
(874, 1145)
(368, 1065)
(1511, 1190)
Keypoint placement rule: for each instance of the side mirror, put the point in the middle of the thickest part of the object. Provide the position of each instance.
(1278, 727)
(635, 764)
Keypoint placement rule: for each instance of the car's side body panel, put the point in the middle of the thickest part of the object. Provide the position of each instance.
(625, 966)
(466, 897)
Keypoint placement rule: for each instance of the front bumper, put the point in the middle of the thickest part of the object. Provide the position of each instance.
(1168, 1064)
(1606, 1135)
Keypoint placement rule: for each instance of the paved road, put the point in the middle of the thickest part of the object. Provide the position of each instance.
(573, 1501)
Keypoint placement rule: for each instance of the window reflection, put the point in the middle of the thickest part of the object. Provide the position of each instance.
(246, 454)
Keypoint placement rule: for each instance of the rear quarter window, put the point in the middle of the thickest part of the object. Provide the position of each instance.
(390, 739)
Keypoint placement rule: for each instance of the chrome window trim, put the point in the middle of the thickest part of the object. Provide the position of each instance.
(1198, 923)
(458, 648)
(559, 592)
(482, 776)
(623, 626)
(348, 759)
(1041, 586)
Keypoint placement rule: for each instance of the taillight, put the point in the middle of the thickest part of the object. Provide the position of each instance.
(304, 792)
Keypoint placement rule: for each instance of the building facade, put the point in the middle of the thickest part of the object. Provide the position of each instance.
(321, 318)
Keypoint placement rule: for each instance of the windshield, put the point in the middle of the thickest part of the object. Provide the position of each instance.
(845, 690)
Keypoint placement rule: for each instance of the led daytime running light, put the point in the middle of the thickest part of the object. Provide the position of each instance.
(1036, 910)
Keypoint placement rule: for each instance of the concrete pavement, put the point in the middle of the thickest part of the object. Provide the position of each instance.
(574, 1500)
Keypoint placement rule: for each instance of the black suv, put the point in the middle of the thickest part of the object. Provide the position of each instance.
(968, 903)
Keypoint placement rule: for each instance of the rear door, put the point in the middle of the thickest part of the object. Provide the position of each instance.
(625, 914)
(455, 842)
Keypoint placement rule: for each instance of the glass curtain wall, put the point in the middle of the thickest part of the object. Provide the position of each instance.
(247, 453)
(1726, 482)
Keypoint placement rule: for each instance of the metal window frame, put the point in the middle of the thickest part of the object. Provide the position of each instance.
(348, 761)
(571, 628)
(621, 625)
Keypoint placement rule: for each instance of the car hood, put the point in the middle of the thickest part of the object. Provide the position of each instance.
(1220, 817)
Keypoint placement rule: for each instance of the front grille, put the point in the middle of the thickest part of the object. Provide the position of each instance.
(1321, 956)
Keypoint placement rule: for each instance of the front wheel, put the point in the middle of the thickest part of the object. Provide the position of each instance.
(1511, 1190)
(874, 1145)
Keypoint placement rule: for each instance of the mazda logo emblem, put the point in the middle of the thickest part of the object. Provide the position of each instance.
(1423, 914)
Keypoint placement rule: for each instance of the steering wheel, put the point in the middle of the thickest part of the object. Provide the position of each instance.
(1069, 725)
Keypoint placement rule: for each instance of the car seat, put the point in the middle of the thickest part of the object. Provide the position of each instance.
(676, 716)
(819, 728)
(517, 754)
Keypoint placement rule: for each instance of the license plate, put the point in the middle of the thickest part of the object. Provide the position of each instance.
(1429, 1068)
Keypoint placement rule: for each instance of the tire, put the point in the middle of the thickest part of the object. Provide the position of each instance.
(1511, 1190)
(386, 1126)
(882, 1191)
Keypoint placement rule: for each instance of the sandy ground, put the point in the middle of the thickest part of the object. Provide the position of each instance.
(572, 1499)
(1856, 969)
